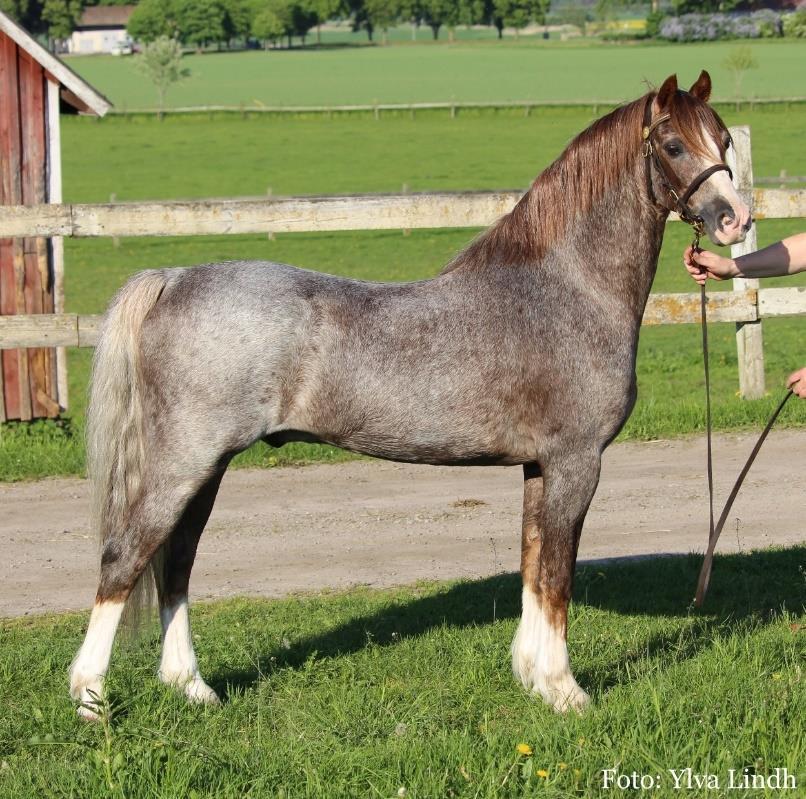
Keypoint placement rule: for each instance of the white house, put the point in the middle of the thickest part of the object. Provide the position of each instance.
(102, 29)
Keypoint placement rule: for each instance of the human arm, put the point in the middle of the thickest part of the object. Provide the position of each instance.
(785, 257)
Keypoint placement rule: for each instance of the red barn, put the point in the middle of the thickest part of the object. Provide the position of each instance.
(34, 87)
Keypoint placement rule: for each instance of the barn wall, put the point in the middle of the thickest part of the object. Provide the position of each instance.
(28, 378)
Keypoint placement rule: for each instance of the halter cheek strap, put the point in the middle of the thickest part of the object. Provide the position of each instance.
(680, 201)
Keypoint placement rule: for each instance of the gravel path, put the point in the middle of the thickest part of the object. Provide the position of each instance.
(280, 531)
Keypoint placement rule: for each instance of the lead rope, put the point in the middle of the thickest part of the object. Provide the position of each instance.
(715, 531)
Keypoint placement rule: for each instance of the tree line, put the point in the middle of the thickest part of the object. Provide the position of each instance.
(202, 23)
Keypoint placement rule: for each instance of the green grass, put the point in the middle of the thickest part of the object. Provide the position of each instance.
(230, 156)
(142, 159)
(367, 692)
(467, 71)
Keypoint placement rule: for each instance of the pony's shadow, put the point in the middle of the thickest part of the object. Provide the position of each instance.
(758, 585)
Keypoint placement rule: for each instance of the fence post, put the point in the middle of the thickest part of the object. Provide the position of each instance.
(749, 339)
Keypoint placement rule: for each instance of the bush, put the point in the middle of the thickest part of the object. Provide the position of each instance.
(653, 22)
(795, 24)
(711, 27)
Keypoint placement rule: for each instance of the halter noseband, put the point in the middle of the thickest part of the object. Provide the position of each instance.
(680, 201)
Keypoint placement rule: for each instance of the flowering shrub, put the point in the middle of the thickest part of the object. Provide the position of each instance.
(710, 27)
(795, 24)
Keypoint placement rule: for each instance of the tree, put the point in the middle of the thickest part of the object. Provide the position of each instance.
(237, 19)
(60, 17)
(267, 26)
(382, 14)
(201, 22)
(293, 17)
(152, 19)
(738, 61)
(27, 13)
(161, 62)
(323, 10)
(436, 13)
(514, 13)
(360, 17)
(303, 18)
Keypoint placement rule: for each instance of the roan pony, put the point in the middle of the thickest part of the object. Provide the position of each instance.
(521, 351)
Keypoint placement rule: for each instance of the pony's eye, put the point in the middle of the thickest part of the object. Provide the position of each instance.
(673, 149)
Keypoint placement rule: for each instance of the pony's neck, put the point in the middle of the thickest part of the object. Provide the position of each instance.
(617, 243)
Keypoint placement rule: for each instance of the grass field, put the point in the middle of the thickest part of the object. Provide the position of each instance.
(367, 693)
(467, 71)
(233, 156)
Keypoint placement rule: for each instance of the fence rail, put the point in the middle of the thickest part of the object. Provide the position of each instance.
(81, 330)
(303, 214)
(448, 105)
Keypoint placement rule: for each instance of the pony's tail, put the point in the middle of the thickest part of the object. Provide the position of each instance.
(115, 446)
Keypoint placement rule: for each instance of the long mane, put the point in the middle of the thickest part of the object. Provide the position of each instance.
(589, 166)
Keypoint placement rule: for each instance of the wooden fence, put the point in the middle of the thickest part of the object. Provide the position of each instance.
(746, 305)
(452, 106)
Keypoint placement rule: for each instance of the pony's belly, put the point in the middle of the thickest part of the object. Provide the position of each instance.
(447, 440)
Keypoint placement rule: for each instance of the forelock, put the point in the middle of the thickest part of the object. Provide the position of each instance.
(693, 119)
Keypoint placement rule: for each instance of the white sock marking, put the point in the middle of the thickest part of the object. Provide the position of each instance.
(178, 665)
(89, 668)
(540, 657)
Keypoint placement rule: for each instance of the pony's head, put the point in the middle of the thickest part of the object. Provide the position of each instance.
(687, 142)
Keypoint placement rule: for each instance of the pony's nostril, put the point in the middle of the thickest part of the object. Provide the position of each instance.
(747, 225)
(726, 220)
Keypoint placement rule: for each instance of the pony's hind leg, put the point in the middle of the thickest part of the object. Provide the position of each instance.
(553, 515)
(127, 551)
(178, 666)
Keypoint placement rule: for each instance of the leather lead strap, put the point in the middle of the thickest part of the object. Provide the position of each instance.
(715, 531)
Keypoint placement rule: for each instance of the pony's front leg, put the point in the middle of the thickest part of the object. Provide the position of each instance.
(553, 514)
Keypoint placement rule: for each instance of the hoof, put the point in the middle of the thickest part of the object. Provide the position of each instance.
(88, 691)
(193, 687)
(86, 711)
(199, 692)
(565, 698)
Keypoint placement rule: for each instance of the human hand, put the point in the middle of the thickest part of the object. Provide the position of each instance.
(797, 382)
(703, 264)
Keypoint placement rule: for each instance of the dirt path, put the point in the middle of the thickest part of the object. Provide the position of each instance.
(285, 530)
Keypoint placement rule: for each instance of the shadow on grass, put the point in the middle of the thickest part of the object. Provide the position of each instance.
(758, 585)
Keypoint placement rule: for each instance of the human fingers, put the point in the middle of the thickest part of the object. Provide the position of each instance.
(797, 382)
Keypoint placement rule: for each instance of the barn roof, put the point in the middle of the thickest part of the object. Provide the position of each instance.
(75, 90)
(105, 16)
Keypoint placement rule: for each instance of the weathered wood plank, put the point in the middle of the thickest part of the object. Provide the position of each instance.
(88, 329)
(79, 330)
(749, 335)
(56, 244)
(39, 330)
(278, 215)
(300, 214)
(722, 306)
(779, 203)
(782, 302)
(13, 152)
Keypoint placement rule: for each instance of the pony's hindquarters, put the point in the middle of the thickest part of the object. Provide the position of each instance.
(139, 499)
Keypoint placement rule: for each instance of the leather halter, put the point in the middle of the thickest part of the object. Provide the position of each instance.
(680, 201)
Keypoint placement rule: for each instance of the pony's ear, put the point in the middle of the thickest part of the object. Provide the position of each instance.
(702, 87)
(666, 92)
